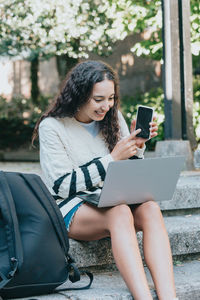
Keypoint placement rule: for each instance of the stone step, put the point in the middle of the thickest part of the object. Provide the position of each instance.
(184, 234)
(110, 285)
(186, 195)
(27, 155)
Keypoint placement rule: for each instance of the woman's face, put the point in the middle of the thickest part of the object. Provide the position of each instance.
(101, 100)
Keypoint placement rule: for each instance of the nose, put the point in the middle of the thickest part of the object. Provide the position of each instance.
(105, 106)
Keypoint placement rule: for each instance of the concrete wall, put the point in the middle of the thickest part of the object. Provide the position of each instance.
(15, 78)
(134, 73)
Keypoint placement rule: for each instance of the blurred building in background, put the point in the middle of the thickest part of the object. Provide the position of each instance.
(135, 73)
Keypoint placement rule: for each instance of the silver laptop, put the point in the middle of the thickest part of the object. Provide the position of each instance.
(140, 180)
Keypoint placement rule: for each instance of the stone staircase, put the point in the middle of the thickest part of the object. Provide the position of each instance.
(182, 219)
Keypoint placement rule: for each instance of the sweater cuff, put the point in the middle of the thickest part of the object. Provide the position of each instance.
(106, 160)
(140, 152)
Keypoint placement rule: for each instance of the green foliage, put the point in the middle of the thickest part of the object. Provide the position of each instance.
(17, 121)
(151, 24)
(196, 107)
(19, 116)
(195, 26)
(14, 133)
(154, 98)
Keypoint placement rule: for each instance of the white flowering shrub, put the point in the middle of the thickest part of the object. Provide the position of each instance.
(65, 26)
(151, 27)
(196, 108)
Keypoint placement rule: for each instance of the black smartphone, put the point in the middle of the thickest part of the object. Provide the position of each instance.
(143, 118)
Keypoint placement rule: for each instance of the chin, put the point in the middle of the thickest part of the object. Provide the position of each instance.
(100, 118)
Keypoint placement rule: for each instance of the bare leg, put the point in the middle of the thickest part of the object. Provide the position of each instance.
(157, 252)
(91, 223)
(126, 252)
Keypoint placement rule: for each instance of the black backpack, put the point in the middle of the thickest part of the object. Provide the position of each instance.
(34, 245)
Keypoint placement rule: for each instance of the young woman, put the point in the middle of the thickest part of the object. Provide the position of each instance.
(79, 136)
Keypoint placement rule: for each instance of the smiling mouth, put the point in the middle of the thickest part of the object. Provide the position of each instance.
(100, 113)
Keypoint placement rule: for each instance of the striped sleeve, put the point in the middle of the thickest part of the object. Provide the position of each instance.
(62, 179)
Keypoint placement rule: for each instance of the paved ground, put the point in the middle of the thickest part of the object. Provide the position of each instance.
(34, 167)
(26, 167)
(110, 286)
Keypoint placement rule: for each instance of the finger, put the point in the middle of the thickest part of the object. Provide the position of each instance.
(153, 134)
(155, 128)
(134, 133)
(131, 144)
(153, 124)
(133, 123)
(133, 152)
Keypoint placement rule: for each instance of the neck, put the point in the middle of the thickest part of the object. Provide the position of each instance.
(82, 120)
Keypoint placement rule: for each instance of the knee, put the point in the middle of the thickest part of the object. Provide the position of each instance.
(149, 212)
(121, 215)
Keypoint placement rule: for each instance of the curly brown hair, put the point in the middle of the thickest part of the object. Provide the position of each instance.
(77, 90)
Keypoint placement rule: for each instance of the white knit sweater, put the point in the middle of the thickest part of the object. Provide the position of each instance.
(72, 160)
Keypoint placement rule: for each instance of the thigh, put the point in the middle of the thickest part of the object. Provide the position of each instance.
(89, 223)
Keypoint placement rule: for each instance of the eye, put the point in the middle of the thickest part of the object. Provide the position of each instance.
(97, 99)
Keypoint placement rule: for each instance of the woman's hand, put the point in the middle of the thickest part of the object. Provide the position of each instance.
(126, 147)
(153, 132)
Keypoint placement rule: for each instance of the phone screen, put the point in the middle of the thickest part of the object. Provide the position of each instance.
(144, 117)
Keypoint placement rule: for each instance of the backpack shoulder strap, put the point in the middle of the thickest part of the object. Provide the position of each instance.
(48, 202)
(8, 213)
(90, 276)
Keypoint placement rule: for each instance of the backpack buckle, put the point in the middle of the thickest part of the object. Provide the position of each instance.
(70, 259)
(14, 262)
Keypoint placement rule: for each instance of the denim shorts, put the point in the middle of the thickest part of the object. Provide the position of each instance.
(68, 209)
